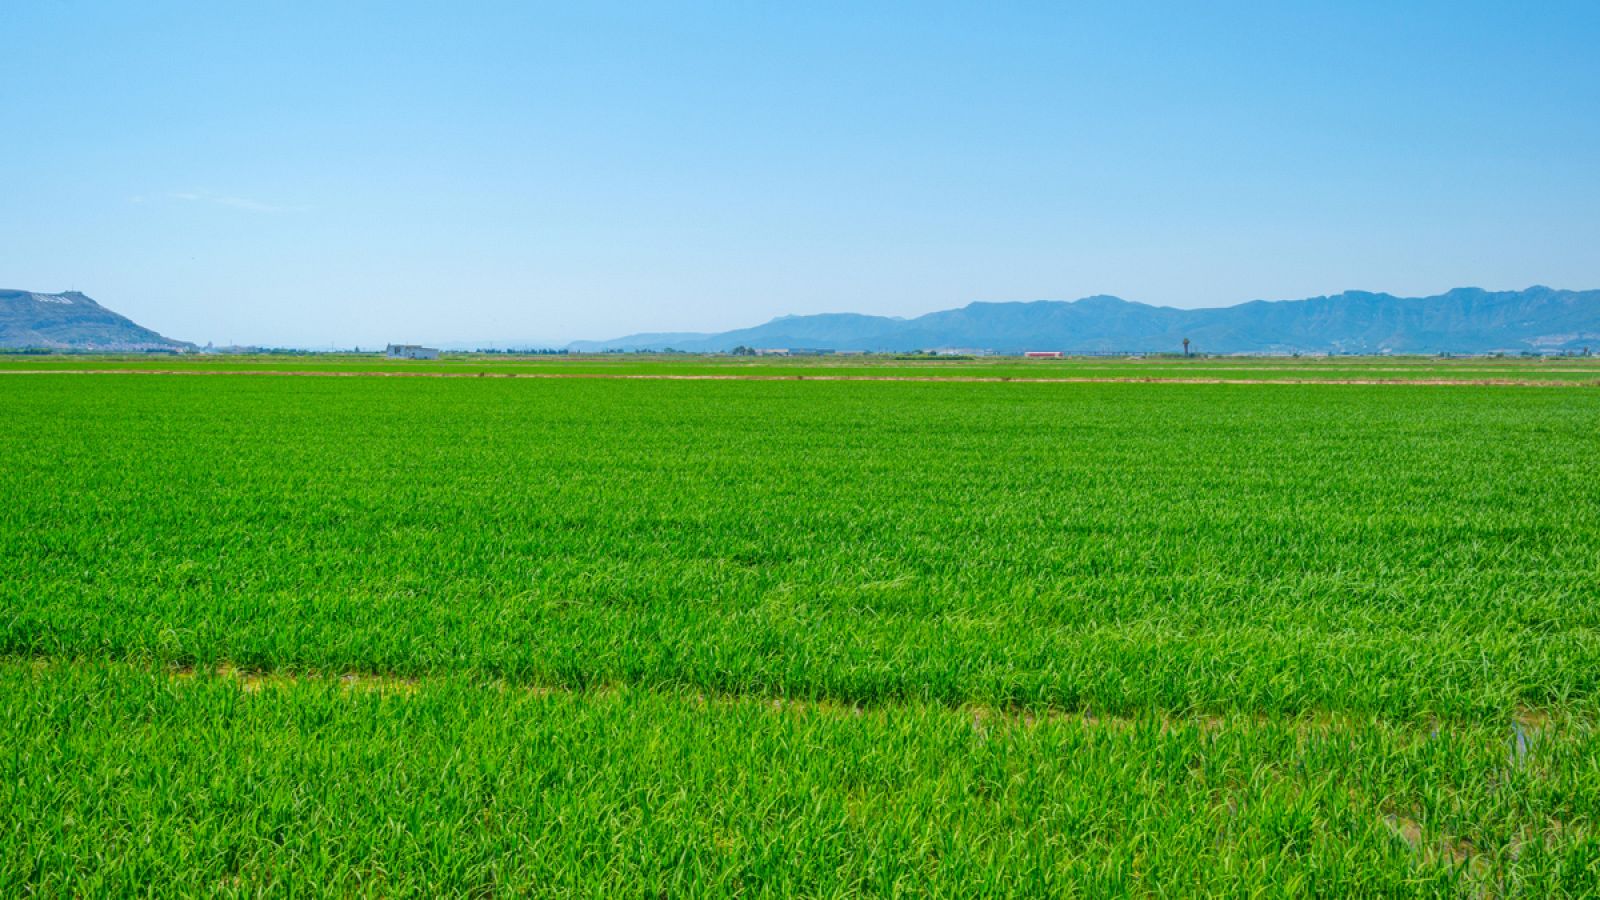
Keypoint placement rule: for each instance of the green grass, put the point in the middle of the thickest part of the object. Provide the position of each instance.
(1101, 637)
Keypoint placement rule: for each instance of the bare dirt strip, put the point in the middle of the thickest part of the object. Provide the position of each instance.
(932, 379)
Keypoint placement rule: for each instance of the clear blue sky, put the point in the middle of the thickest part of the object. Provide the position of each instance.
(316, 173)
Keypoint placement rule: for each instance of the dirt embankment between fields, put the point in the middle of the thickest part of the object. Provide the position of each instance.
(1525, 723)
(931, 379)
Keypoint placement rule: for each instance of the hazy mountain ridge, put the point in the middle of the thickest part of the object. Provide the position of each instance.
(72, 321)
(1464, 320)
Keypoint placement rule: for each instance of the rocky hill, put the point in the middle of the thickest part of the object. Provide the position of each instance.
(72, 321)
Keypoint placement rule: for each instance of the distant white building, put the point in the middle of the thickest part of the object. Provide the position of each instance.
(411, 351)
(772, 351)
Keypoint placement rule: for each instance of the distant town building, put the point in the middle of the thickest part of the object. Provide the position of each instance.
(411, 351)
(1042, 354)
(772, 351)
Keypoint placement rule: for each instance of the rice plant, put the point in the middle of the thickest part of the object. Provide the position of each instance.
(722, 637)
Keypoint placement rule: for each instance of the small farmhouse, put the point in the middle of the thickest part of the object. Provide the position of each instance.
(411, 351)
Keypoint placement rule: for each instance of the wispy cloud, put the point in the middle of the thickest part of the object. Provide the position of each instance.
(231, 202)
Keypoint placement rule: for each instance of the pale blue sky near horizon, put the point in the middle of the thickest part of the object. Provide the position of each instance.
(316, 174)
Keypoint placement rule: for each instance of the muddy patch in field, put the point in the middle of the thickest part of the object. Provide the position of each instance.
(1442, 849)
(1527, 729)
(254, 682)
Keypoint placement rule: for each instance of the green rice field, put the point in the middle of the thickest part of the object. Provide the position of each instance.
(1103, 628)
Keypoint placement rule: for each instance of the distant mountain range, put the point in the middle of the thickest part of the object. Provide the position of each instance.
(1465, 320)
(71, 321)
